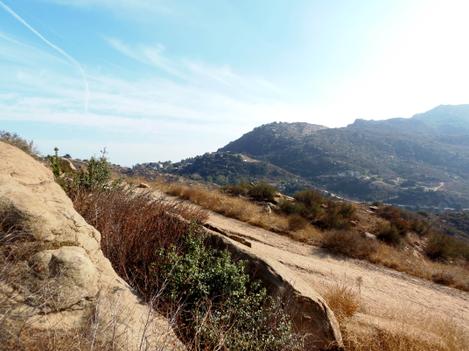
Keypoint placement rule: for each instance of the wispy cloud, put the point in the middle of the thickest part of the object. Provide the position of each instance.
(121, 7)
(58, 49)
(194, 104)
(196, 73)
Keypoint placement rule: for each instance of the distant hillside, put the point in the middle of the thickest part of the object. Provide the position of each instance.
(225, 168)
(422, 161)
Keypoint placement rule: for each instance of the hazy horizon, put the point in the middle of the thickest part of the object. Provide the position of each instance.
(161, 80)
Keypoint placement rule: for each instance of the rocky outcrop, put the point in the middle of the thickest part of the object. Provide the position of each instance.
(310, 314)
(55, 278)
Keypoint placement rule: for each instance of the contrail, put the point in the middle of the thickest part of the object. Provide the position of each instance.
(73, 61)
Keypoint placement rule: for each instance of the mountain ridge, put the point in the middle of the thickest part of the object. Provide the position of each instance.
(400, 160)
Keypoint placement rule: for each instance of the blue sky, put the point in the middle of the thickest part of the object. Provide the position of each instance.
(158, 79)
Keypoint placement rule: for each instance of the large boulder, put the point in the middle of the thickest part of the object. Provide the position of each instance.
(54, 278)
(311, 316)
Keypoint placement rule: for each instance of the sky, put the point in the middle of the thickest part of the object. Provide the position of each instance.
(157, 80)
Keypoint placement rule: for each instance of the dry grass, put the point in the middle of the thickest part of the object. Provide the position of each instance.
(134, 226)
(435, 334)
(239, 208)
(401, 339)
(343, 300)
(453, 275)
(349, 244)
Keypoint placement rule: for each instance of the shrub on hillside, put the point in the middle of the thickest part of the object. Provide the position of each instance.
(444, 247)
(405, 221)
(262, 192)
(95, 176)
(309, 201)
(396, 217)
(240, 189)
(17, 141)
(349, 244)
(161, 255)
(296, 222)
(343, 300)
(309, 198)
(292, 207)
(389, 234)
(221, 304)
(337, 215)
(133, 227)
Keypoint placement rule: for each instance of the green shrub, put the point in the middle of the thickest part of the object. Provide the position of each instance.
(310, 202)
(95, 176)
(222, 306)
(389, 234)
(22, 144)
(337, 215)
(346, 210)
(309, 198)
(262, 192)
(444, 247)
(292, 207)
(237, 189)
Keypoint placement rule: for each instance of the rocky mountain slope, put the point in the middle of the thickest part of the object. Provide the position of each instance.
(422, 161)
(54, 279)
(223, 168)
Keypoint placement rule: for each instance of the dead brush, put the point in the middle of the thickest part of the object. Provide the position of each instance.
(238, 208)
(438, 336)
(349, 244)
(343, 300)
(134, 227)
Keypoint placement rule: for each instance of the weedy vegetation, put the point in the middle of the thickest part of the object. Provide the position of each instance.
(159, 249)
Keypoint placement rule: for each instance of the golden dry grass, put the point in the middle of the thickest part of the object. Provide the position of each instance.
(448, 338)
(453, 275)
(239, 208)
(343, 300)
(435, 334)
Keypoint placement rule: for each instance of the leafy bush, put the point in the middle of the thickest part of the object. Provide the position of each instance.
(405, 221)
(309, 198)
(444, 247)
(262, 192)
(237, 189)
(17, 141)
(349, 244)
(309, 202)
(389, 234)
(336, 216)
(221, 304)
(95, 176)
(292, 207)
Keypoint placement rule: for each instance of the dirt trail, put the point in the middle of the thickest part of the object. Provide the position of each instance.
(387, 296)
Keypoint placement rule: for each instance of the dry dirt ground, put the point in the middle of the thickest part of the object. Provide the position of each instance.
(389, 299)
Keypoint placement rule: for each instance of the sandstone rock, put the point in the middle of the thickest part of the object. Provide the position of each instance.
(310, 314)
(67, 165)
(143, 186)
(61, 280)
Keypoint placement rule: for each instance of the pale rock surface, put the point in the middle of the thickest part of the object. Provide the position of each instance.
(67, 279)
